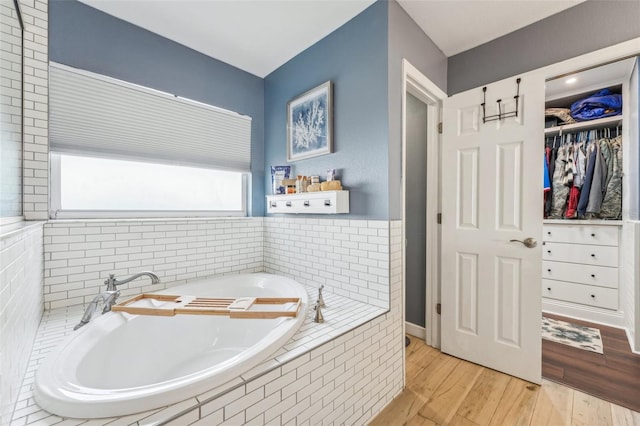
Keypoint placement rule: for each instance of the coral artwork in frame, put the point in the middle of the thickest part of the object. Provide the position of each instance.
(310, 123)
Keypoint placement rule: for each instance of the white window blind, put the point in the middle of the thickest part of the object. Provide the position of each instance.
(97, 115)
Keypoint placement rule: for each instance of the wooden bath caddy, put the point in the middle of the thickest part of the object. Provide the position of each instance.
(235, 307)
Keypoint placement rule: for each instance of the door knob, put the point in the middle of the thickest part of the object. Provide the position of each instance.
(528, 242)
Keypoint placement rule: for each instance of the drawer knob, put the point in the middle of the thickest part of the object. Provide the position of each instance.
(593, 275)
(548, 270)
(549, 288)
(274, 204)
(593, 295)
(549, 251)
(306, 203)
(548, 232)
(593, 255)
(593, 235)
(327, 203)
(288, 203)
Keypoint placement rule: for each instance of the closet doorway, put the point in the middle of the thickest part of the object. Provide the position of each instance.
(590, 230)
(421, 110)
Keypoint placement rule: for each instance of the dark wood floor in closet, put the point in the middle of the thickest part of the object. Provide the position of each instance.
(613, 376)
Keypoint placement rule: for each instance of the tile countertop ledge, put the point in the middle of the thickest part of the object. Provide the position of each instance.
(341, 315)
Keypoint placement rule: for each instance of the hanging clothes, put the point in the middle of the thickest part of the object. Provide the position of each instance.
(580, 163)
(546, 180)
(572, 204)
(586, 186)
(569, 166)
(612, 202)
(598, 184)
(605, 148)
(548, 205)
(560, 191)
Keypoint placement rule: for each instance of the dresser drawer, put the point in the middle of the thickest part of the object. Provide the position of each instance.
(602, 276)
(577, 253)
(581, 234)
(583, 294)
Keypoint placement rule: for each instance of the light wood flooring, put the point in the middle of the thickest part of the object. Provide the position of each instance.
(443, 390)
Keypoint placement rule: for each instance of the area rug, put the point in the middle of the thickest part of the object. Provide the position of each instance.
(575, 335)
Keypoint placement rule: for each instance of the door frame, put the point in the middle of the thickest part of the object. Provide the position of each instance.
(416, 83)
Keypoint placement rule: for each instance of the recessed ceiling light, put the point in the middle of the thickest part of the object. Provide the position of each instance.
(571, 80)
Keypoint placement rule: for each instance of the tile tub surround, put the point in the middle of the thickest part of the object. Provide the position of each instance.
(79, 255)
(305, 352)
(350, 257)
(20, 307)
(359, 262)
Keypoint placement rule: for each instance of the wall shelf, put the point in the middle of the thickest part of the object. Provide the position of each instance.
(600, 123)
(322, 202)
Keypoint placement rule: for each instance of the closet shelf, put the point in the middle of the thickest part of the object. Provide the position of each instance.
(590, 125)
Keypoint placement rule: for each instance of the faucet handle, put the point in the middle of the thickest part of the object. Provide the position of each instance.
(320, 298)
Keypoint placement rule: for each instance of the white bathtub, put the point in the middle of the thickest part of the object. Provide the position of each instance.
(121, 364)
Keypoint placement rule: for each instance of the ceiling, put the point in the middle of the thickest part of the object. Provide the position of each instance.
(260, 35)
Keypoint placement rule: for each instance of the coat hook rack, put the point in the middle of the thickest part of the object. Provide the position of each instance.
(500, 115)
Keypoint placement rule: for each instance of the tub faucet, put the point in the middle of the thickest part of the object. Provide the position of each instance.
(108, 299)
(112, 282)
(110, 296)
(320, 298)
(317, 317)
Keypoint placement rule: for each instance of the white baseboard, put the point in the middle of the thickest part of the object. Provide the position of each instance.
(583, 312)
(415, 330)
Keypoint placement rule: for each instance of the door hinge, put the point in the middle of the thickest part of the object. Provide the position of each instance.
(439, 308)
(439, 218)
(440, 127)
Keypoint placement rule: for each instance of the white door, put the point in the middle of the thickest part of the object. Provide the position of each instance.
(492, 194)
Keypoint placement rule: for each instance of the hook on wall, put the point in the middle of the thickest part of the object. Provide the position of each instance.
(500, 115)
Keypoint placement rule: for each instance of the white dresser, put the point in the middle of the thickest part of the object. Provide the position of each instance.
(580, 264)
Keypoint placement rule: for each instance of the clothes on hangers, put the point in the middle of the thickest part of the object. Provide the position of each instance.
(598, 183)
(612, 202)
(560, 190)
(552, 166)
(583, 176)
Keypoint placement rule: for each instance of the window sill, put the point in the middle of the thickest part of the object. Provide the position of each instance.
(142, 215)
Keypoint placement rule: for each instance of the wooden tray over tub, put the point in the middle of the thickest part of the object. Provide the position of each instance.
(235, 307)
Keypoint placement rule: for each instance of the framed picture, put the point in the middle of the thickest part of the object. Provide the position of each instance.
(310, 123)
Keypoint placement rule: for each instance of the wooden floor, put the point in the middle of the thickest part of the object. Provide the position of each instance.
(614, 375)
(443, 390)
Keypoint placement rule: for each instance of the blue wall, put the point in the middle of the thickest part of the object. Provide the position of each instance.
(406, 41)
(581, 29)
(86, 38)
(354, 57)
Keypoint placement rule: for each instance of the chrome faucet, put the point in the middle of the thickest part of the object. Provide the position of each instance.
(110, 296)
(320, 298)
(317, 317)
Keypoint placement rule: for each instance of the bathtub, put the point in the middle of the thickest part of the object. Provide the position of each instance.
(121, 364)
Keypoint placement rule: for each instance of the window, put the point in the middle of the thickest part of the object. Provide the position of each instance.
(121, 150)
(91, 187)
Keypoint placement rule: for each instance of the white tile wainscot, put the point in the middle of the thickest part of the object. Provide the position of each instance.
(79, 255)
(20, 307)
(350, 257)
(297, 370)
(341, 372)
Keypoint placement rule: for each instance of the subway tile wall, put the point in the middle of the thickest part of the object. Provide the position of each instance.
(36, 110)
(348, 257)
(20, 309)
(79, 255)
(346, 381)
